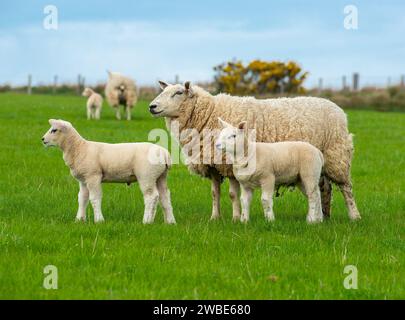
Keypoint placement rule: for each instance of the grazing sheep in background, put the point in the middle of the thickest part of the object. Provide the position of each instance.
(94, 103)
(120, 90)
(269, 165)
(315, 120)
(93, 163)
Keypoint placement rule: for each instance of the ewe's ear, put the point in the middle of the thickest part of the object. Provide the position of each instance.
(109, 74)
(163, 84)
(189, 90)
(242, 125)
(51, 121)
(223, 123)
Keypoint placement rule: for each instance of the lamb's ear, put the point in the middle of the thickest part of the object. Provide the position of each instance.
(109, 74)
(242, 125)
(223, 123)
(189, 89)
(163, 84)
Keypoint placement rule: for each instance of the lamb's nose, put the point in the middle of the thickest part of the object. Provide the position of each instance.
(152, 107)
(42, 138)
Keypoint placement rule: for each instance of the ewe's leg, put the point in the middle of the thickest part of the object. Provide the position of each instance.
(83, 198)
(246, 198)
(150, 197)
(97, 114)
(326, 195)
(234, 188)
(117, 113)
(164, 196)
(267, 200)
(88, 113)
(347, 191)
(96, 194)
(216, 194)
(128, 110)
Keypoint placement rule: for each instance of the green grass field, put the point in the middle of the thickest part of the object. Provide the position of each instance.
(195, 259)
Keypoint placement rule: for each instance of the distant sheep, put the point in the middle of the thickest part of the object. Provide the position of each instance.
(269, 165)
(315, 120)
(93, 163)
(94, 103)
(121, 90)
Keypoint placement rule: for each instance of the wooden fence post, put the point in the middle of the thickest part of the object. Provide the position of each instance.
(55, 84)
(320, 85)
(29, 85)
(344, 83)
(402, 81)
(356, 79)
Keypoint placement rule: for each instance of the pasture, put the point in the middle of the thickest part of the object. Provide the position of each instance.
(197, 258)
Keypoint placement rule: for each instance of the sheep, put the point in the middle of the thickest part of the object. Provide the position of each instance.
(94, 103)
(268, 165)
(93, 163)
(314, 120)
(120, 90)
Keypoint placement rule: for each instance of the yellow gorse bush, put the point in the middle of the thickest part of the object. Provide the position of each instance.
(259, 77)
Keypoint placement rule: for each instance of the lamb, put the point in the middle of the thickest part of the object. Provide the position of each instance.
(94, 103)
(268, 165)
(93, 163)
(120, 90)
(314, 120)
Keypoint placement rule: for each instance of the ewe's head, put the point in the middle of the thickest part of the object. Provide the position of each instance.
(167, 104)
(87, 92)
(231, 138)
(57, 133)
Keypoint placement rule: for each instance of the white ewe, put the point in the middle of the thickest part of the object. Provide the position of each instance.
(268, 165)
(121, 90)
(317, 121)
(93, 163)
(94, 103)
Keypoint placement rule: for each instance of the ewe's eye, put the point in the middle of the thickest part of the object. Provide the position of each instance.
(54, 130)
(232, 136)
(177, 93)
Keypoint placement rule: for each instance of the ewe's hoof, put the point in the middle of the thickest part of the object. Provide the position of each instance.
(79, 220)
(99, 220)
(216, 217)
(355, 218)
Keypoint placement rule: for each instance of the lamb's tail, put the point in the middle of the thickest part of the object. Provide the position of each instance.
(168, 159)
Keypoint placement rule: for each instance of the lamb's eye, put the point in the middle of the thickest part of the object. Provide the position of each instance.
(232, 136)
(54, 130)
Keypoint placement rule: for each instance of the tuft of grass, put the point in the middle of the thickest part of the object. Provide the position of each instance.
(197, 258)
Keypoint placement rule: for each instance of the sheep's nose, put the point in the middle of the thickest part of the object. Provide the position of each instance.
(42, 138)
(152, 107)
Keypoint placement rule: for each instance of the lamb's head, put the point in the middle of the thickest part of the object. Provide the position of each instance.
(168, 102)
(57, 134)
(231, 139)
(87, 92)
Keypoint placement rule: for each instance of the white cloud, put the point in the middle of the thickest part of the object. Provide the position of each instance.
(148, 51)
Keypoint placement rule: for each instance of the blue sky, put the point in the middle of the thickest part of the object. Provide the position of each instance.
(152, 40)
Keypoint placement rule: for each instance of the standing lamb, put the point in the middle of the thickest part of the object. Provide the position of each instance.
(314, 120)
(120, 90)
(94, 103)
(269, 165)
(93, 163)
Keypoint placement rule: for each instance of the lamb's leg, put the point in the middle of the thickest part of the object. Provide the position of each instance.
(326, 195)
(347, 191)
(267, 199)
(96, 194)
(117, 113)
(314, 200)
(216, 194)
(83, 198)
(128, 110)
(151, 198)
(164, 196)
(234, 189)
(88, 113)
(246, 198)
